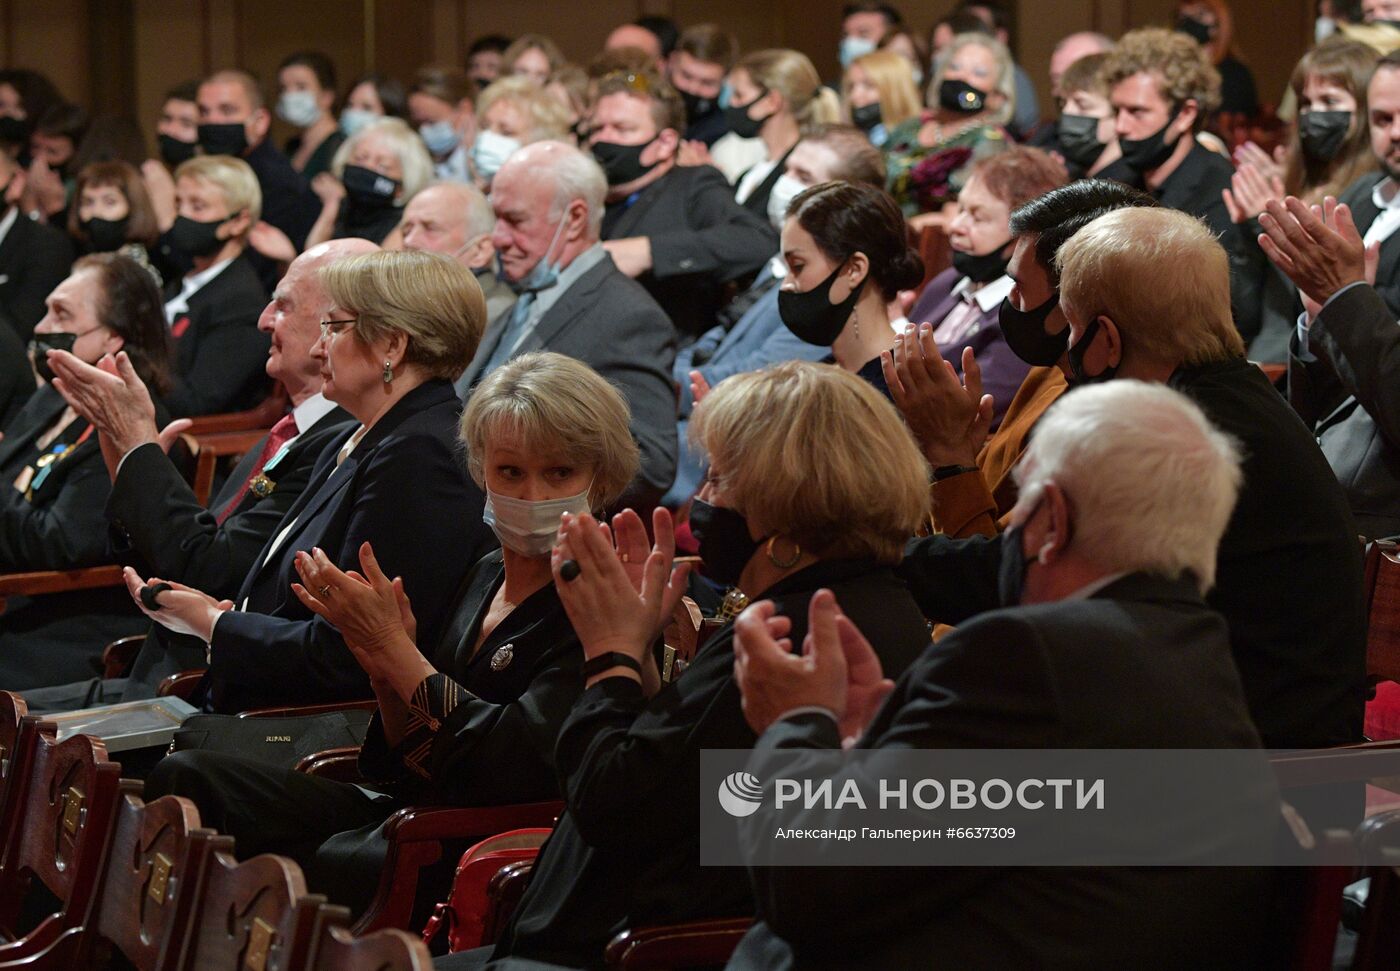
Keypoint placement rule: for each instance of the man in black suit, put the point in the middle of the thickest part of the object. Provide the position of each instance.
(233, 120)
(548, 199)
(676, 229)
(1146, 294)
(213, 310)
(16, 376)
(696, 69)
(1340, 376)
(156, 522)
(1105, 642)
(1374, 199)
(34, 258)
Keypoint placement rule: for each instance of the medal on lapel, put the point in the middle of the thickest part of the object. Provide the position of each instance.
(503, 656)
(261, 486)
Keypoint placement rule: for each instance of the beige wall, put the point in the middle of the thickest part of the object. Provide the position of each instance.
(146, 46)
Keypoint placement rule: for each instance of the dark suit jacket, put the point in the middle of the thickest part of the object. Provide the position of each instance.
(220, 354)
(1288, 574)
(287, 200)
(1343, 388)
(33, 260)
(1142, 664)
(159, 526)
(701, 239)
(404, 489)
(1358, 196)
(623, 759)
(756, 201)
(16, 376)
(610, 323)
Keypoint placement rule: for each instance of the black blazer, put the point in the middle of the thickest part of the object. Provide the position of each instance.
(497, 746)
(623, 759)
(1142, 664)
(1288, 573)
(287, 200)
(159, 526)
(34, 259)
(701, 239)
(404, 489)
(610, 323)
(1344, 390)
(1359, 196)
(16, 376)
(219, 352)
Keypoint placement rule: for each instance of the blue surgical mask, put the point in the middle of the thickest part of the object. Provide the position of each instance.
(353, 120)
(440, 137)
(543, 274)
(854, 47)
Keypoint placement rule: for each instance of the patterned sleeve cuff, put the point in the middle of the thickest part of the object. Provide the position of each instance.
(434, 699)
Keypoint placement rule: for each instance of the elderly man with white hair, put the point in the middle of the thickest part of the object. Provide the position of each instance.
(1105, 642)
(1147, 296)
(454, 219)
(548, 199)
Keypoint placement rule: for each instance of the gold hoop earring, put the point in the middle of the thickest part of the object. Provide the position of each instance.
(388, 373)
(796, 555)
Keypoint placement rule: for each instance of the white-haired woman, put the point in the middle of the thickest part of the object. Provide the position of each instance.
(371, 179)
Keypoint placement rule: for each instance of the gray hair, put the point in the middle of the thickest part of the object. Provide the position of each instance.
(574, 175)
(479, 218)
(405, 143)
(1152, 483)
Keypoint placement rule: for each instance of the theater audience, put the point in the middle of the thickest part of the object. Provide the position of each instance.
(52, 148)
(534, 56)
(1374, 198)
(484, 59)
(372, 177)
(863, 26)
(34, 257)
(372, 97)
(757, 337)
(307, 102)
(929, 157)
(837, 238)
(963, 303)
(25, 95)
(217, 351)
(454, 219)
(1146, 295)
(155, 520)
(440, 108)
(1113, 646)
(637, 38)
(55, 481)
(774, 95)
(879, 93)
(1328, 151)
(630, 748)
(548, 201)
(114, 214)
(177, 125)
(397, 328)
(16, 376)
(1084, 135)
(234, 121)
(674, 228)
(1211, 24)
(696, 69)
(512, 112)
(1071, 49)
(912, 48)
(1026, 111)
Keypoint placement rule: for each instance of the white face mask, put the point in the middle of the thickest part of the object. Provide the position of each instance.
(298, 108)
(529, 527)
(355, 119)
(490, 151)
(854, 47)
(784, 191)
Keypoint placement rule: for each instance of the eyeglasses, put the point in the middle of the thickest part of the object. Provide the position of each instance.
(329, 328)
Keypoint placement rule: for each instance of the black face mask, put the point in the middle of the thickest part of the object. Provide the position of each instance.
(1079, 140)
(1076, 353)
(812, 317)
(1147, 154)
(1025, 334)
(227, 139)
(13, 129)
(985, 268)
(1197, 30)
(173, 151)
(42, 344)
(622, 163)
(367, 189)
(736, 117)
(866, 117)
(1322, 133)
(105, 235)
(725, 544)
(961, 97)
(1011, 571)
(696, 107)
(195, 238)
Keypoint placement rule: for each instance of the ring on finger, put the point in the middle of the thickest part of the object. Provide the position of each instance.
(325, 591)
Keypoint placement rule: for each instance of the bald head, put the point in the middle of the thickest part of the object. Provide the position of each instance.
(1071, 49)
(630, 35)
(451, 218)
(293, 317)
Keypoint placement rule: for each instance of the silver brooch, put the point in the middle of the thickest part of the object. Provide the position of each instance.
(503, 656)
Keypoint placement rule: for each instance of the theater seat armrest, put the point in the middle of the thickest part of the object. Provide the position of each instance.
(690, 945)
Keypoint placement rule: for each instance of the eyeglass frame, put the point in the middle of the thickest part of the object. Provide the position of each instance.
(326, 325)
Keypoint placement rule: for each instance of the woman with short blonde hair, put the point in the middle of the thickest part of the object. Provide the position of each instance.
(514, 112)
(878, 93)
(372, 177)
(232, 177)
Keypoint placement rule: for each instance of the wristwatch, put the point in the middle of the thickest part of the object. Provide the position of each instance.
(613, 659)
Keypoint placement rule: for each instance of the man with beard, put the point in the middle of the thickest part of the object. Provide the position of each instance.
(1374, 199)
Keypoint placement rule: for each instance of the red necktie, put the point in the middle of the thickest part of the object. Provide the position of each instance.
(282, 432)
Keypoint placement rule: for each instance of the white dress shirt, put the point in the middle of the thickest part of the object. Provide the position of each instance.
(189, 286)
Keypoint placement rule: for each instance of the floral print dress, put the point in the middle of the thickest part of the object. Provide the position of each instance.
(923, 178)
